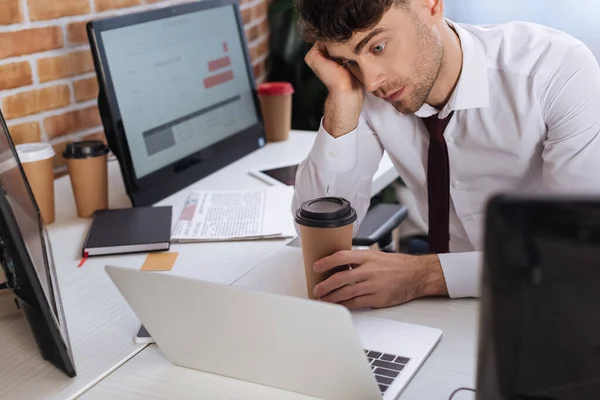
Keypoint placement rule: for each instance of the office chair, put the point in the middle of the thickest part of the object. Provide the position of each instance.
(378, 225)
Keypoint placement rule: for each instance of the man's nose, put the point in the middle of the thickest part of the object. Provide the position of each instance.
(373, 78)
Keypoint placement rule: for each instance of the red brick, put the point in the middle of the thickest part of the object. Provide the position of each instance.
(30, 41)
(105, 5)
(264, 27)
(58, 67)
(71, 122)
(86, 89)
(36, 101)
(254, 53)
(10, 12)
(76, 33)
(259, 69)
(253, 33)
(247, 16)
(260, 10)
(40, 10)
(29, 132)
(14, 75)
(263, 47)
(95, 136)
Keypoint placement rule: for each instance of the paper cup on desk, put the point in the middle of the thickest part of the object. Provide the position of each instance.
(276, 107)
(37, 160)
(326, 226)
(87, 163)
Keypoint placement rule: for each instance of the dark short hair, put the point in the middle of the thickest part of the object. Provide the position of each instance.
(337, 20)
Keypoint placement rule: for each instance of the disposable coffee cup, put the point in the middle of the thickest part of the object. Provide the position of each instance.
(276, 107)
(37, 160)
(87, 162)
(326, 226)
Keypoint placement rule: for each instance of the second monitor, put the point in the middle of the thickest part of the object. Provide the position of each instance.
(177, 94)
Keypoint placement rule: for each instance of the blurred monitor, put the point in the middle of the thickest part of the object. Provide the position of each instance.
(540, 325)
(26, 257)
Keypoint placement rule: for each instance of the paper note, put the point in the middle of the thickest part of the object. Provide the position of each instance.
(160, 261)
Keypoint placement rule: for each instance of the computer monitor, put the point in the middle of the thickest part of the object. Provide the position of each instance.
(27, 261)
(540, 325)
(177, 94)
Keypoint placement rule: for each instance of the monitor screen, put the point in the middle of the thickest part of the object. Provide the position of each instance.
(181, 84)
(539, 334)
(25, 255)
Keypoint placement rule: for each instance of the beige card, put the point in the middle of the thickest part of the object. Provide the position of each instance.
(160, 261)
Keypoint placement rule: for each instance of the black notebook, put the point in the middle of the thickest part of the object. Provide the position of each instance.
(129, 230)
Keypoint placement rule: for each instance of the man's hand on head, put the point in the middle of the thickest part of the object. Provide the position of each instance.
(345, 101)
(379, 279)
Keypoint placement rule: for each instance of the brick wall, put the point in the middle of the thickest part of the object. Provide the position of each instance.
(48, 86)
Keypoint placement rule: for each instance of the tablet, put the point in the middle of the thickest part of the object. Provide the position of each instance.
(277, 175)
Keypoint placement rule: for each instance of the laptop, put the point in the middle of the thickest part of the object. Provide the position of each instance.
(290, 343)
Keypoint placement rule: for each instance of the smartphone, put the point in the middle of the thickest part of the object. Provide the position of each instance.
(142, 336)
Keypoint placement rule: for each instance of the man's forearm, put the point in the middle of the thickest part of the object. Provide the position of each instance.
(342, 113)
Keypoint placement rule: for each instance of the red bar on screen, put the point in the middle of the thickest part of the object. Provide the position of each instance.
(219, 63)
(216, 80)
(225, 47)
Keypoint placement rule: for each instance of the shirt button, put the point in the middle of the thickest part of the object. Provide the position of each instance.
(450, 140)
(456, 185)
(332, 154)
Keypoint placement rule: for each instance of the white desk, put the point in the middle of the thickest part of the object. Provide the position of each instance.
(101, 325)
(451, 365)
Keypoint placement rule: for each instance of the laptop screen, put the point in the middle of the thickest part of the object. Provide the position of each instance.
(181, 84)
(26, 256)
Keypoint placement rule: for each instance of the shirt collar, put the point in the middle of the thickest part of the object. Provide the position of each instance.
(472, 89)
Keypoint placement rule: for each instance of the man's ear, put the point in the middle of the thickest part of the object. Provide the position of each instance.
(432, 10)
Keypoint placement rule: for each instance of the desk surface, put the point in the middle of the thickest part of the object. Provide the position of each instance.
(451, 364)
(101, 325)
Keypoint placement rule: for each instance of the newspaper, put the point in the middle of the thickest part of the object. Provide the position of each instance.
(235, 215)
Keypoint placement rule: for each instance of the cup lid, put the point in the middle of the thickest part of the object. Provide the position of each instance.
(276, 88)
(30, 152)
(85, 149)
(326, 212)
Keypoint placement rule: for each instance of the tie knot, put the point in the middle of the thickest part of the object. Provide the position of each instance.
(436, 126)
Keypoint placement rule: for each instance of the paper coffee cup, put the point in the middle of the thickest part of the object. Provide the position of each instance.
(37, 161)
(87, 162)
(326, 226)
(276, 107)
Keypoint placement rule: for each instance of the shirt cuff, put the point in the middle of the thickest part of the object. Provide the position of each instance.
(337, 154)
(462, 272)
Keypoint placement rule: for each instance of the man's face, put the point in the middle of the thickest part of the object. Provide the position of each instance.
(398, 60)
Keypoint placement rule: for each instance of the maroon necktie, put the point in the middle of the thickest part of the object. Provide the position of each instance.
(438, 185)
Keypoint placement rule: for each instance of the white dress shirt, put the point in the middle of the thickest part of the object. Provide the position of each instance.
(526, 106)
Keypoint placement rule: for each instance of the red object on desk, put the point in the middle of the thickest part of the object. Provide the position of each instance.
(83, 260)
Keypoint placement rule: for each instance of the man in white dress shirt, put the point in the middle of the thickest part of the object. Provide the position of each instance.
(510, 102)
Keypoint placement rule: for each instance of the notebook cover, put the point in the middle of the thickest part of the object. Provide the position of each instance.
(129, 226)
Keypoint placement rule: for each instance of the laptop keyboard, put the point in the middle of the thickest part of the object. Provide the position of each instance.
(386, 367)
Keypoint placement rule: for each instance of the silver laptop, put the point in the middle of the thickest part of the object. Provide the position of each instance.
(295, 344)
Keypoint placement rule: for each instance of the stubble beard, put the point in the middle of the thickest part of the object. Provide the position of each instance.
(432, 59)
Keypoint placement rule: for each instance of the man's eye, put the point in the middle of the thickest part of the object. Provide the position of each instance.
(379, 48)
(349, 64)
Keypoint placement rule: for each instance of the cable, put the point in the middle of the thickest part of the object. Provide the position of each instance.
(460, 390)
